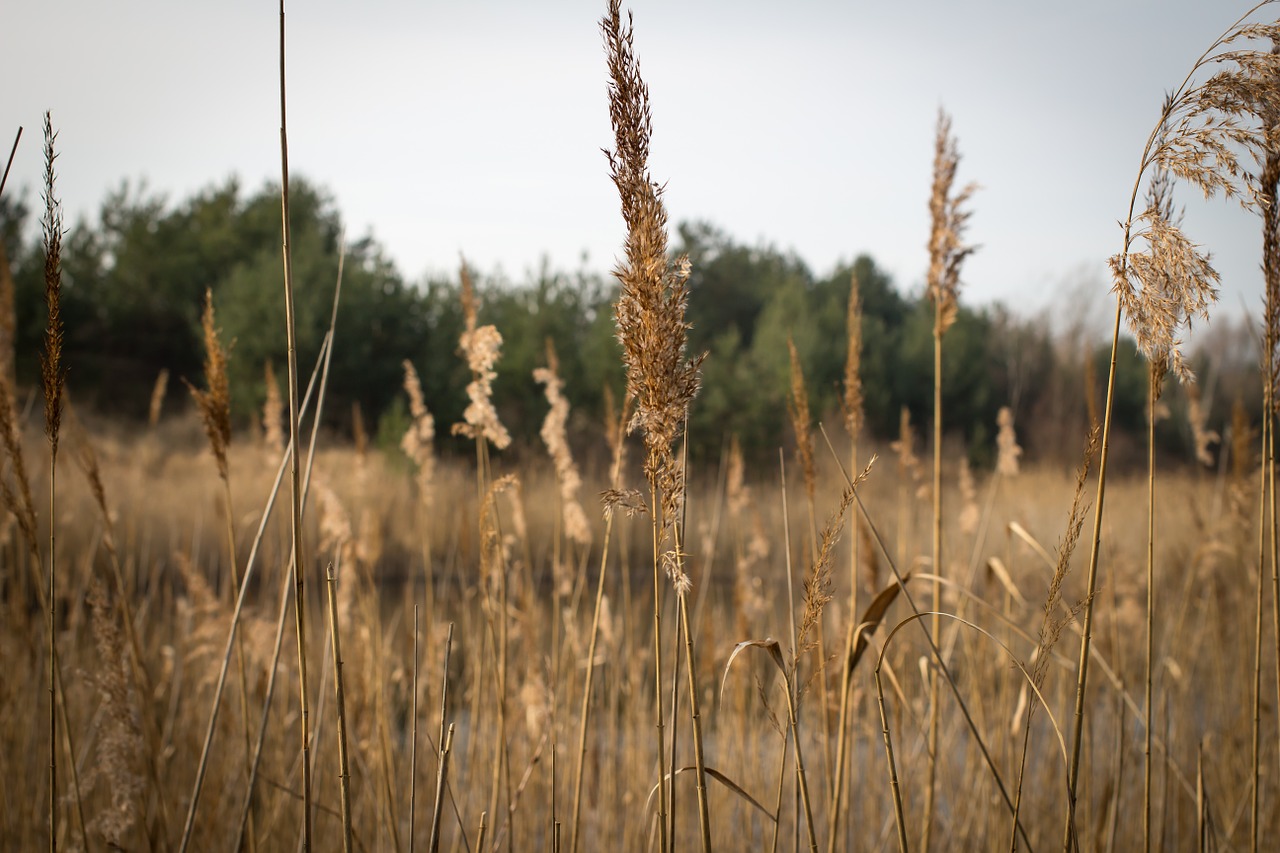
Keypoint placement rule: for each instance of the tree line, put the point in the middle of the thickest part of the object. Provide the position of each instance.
(135, 280)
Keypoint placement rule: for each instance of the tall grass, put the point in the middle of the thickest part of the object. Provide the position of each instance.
(541, 611)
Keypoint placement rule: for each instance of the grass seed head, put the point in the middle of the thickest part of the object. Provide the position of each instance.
(650, 311)
(214, 402)
(52, 373)
(949, 218)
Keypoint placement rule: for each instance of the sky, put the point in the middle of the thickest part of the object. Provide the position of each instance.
(449, 128)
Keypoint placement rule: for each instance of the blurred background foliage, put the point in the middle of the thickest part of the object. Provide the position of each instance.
(135, 278)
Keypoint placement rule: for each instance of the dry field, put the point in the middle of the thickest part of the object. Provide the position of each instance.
(211, 643)
(136, 753)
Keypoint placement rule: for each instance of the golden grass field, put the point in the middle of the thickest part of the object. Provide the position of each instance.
(209, 643)
(165, 516)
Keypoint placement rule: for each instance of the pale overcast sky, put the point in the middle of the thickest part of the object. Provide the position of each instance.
(476, 127)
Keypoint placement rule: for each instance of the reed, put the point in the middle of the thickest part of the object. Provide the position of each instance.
(947, 253)
(653, 333)
(1203, 130)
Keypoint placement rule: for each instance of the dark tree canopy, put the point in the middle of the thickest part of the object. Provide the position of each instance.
(135, 278)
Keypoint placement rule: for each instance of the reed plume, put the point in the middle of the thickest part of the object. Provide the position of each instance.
(1206, 133)
(553, 435)
(481, 346)
(419, 439)
(52, 379)
(947, 252)
(1008, 452)
(651, 327)
(214, 402)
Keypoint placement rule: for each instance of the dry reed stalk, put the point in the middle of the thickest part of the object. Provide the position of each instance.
(1155, 385)
(1051, 625)
(481, 346)
(442, 779)
(494, 574)
(53, 379)
(1203, 131)
(320, 376)
(616, 438)
(444, 741)
(1268, 424)
(413, 737)
(9, 163)
(653, 333)
(802, 426)
(344, 772)
(1268, 186)
(947, 253)
(215, 412)
(295, 493)
(939, 658)
(22, 507)
(250, 564)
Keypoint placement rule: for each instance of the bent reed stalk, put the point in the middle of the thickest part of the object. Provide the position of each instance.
(1199, 137)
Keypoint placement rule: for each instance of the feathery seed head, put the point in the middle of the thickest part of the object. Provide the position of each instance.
(482, 347)
(1008, 451)
(949, 219)
(1163, 288)
(418, 440)
(554, 436)
(52, 373)
(650, 311)
(214, 403)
